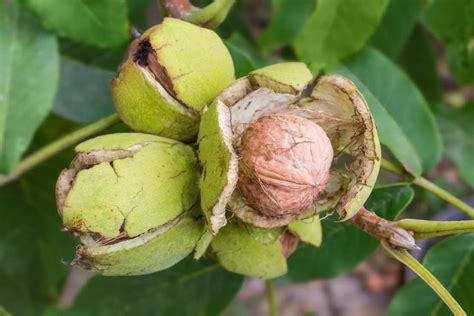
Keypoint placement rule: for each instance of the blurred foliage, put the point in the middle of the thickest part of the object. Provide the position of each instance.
(189, 288)
(28, 77)
(458, 129)
(92, 100)
(451, 21)
(397, 24)
(58, 57)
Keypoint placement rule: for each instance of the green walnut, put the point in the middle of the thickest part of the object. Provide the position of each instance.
(172, 71)
(259, 252)
(248, 250)
(273, 157)
(129, 198)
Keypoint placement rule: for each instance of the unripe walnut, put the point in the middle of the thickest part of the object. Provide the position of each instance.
(284, 165)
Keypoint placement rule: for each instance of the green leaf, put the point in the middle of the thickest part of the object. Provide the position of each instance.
(452, 262)
(28, 80)
(397, 24)
(287, 20)
(458, 129)
(390, 132)
(105, 58)
(14, 296)
(246, 55)
(452, 22)
(3, 312)
(189, 288)
(84, 93)
(243, 63)
(235, 22)
(102, 23)
(31, 242)
(402, 100)
(345, 246)
(138, 13)
(337, 29)
(418, 59)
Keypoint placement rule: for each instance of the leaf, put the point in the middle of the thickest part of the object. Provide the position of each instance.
(243, 63)
(396, 26)
(31, 242)
(452, 262)
(14, 297)
(418, 59)
(84, 93)
(345, 246)
(102, 23)
(451, 21)
(246, 56)
(287, 20)
(457, 129)
(402, 100)
(3, 312)
(337, 29)
(390, 132)
(105, 58)
(235, 22)
(138, 13)
(189, 288)
(28, 80)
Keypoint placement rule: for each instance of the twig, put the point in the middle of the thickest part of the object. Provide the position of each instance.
(57, 146)
(270, 291)
(177, 8)
(426, 229)
(75, 281)
(430, 186)
(404, 257)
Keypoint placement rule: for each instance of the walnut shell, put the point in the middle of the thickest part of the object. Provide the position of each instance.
(284, 165)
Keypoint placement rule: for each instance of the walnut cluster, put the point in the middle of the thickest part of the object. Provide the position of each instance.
(284, 165)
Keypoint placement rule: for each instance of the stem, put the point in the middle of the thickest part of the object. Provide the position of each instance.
(445, 195)
(177, 8)
(272, 306)
(430, 186)
(425, 229)
(404, 257)
(387, 165)
(75, 281)
(212, 15)
(57, 146)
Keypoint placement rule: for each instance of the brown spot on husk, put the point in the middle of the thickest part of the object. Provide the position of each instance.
(145, 56)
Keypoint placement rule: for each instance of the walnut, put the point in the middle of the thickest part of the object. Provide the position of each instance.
(284, 165)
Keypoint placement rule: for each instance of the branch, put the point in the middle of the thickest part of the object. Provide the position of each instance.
(210, 16)
(57, 146)
(426, 229)
(270, 291)
(177, 8)
(404, 257)
(430, 186)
